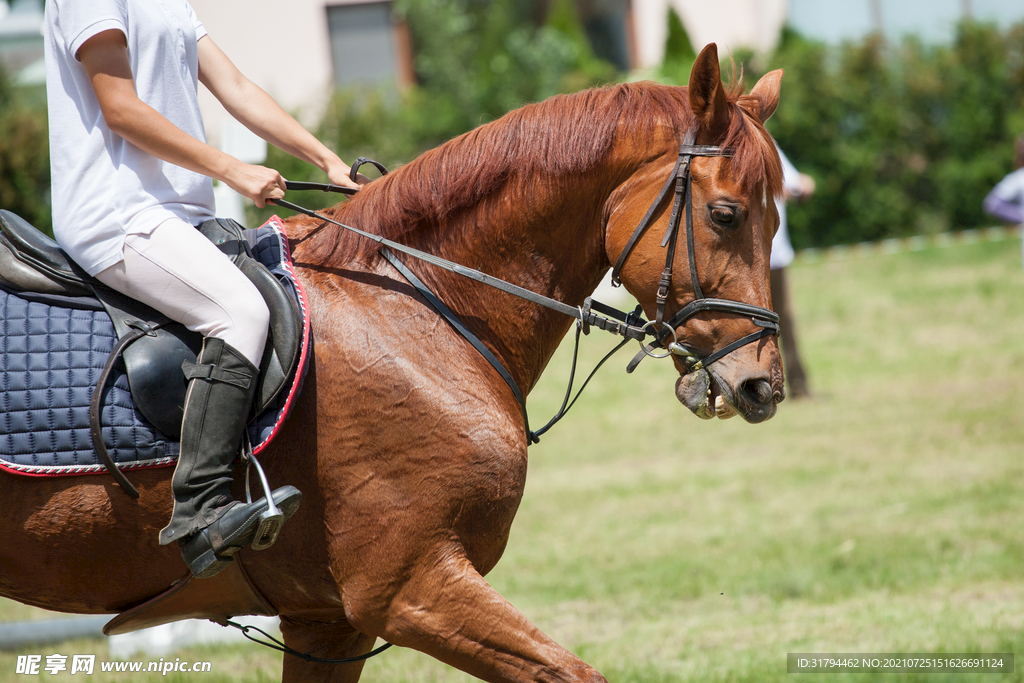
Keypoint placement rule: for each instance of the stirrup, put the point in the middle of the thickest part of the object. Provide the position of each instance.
(272, 518)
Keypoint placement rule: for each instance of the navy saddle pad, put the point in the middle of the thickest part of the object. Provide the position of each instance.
(51, 357)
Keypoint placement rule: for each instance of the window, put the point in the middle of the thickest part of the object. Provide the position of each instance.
(363, 44)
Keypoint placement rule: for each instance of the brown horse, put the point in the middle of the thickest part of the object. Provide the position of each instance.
(407, 445)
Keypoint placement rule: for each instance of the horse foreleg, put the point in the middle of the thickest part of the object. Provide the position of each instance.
(447, 610)
(325, 640)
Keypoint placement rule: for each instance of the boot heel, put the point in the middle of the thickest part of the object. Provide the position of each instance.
(205, 562)
(268, 529)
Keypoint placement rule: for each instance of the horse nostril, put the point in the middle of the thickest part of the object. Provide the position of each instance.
(758, 391)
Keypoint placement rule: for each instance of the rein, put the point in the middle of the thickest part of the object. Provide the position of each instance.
(592, 313)
(631, 326)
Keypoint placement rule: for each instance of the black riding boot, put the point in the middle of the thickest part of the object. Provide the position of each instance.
(208, 523)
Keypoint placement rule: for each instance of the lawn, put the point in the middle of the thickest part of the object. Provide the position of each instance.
(883, 515)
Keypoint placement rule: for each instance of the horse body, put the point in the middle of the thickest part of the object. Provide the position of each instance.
(408, 446)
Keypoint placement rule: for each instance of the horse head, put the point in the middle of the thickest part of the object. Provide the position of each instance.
(725, 218)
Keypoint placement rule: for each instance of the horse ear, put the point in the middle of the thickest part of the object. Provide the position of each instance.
(766, 91)
(707, 94)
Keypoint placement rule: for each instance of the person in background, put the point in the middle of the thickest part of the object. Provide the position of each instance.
(798, 187)
(132, 177)
(1006, 200)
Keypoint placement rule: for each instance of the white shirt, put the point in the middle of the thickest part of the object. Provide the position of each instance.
(782, 250)
(104, 187)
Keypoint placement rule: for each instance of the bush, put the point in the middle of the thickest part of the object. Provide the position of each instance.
(903, 139)
(24, 156)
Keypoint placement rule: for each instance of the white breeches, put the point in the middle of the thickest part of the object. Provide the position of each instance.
(179, 272)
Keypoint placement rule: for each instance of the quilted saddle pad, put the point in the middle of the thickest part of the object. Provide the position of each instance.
(51, 358)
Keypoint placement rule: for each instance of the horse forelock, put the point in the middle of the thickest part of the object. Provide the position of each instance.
(554, 141)
(755, 159)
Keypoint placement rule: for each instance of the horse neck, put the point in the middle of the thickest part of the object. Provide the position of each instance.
(541, 232)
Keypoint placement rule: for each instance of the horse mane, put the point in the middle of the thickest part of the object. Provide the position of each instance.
(561, 138)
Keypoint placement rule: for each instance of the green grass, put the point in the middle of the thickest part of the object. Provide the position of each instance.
(884, 515)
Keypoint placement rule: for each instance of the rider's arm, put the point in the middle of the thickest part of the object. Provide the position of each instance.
(105, 59)
(254, 108)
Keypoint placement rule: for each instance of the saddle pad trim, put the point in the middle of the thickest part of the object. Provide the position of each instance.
(300, 370)
(70, 470)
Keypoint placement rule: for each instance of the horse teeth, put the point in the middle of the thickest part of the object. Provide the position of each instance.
(722, 409)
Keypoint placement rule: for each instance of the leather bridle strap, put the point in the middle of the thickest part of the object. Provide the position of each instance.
(767, 320)
(323, 187)
(680, 172)
(764, 318)
(644, 223)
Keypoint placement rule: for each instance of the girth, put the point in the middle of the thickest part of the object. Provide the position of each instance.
(665, 331)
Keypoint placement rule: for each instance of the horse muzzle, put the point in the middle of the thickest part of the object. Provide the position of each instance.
(710, 393)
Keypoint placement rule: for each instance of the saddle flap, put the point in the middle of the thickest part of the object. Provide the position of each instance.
(153, 351)
(153, 363)
(228, 594)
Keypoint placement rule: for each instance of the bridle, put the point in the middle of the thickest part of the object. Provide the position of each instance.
(630, 326)
(665, 331)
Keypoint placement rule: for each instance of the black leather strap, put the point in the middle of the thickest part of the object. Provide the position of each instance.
(644, 224)
(323, 187)
(354, 173)
(726, 306)
(629, 320)
(454, 321)
(139, 330)
(215, 374)
(726, 350)
(632, 332)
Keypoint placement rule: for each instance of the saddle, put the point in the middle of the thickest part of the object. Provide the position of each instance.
(152, 347)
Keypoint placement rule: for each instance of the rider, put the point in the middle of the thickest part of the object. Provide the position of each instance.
(132, 176)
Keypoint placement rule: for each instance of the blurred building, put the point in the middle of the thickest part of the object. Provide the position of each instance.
(21, 41)
(297, 50)
(932, 20)
(732, 24)
(300, 49)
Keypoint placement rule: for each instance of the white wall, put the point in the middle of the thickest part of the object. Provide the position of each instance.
(281, 45)
(732, 24)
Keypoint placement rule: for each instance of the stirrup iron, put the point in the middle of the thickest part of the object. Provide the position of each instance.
(272, 518)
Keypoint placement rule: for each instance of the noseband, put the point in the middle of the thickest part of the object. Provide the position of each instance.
(665, 331)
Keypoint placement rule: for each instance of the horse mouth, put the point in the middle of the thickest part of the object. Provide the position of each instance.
(708, 396)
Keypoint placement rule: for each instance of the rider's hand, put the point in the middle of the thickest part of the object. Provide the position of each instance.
(258, 183)
(339, 174)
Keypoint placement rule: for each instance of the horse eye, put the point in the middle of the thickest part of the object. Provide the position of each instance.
(723, 215)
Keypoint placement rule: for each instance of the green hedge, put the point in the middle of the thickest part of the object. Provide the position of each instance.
(24, 155)
(903, 138)
(474, 62)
